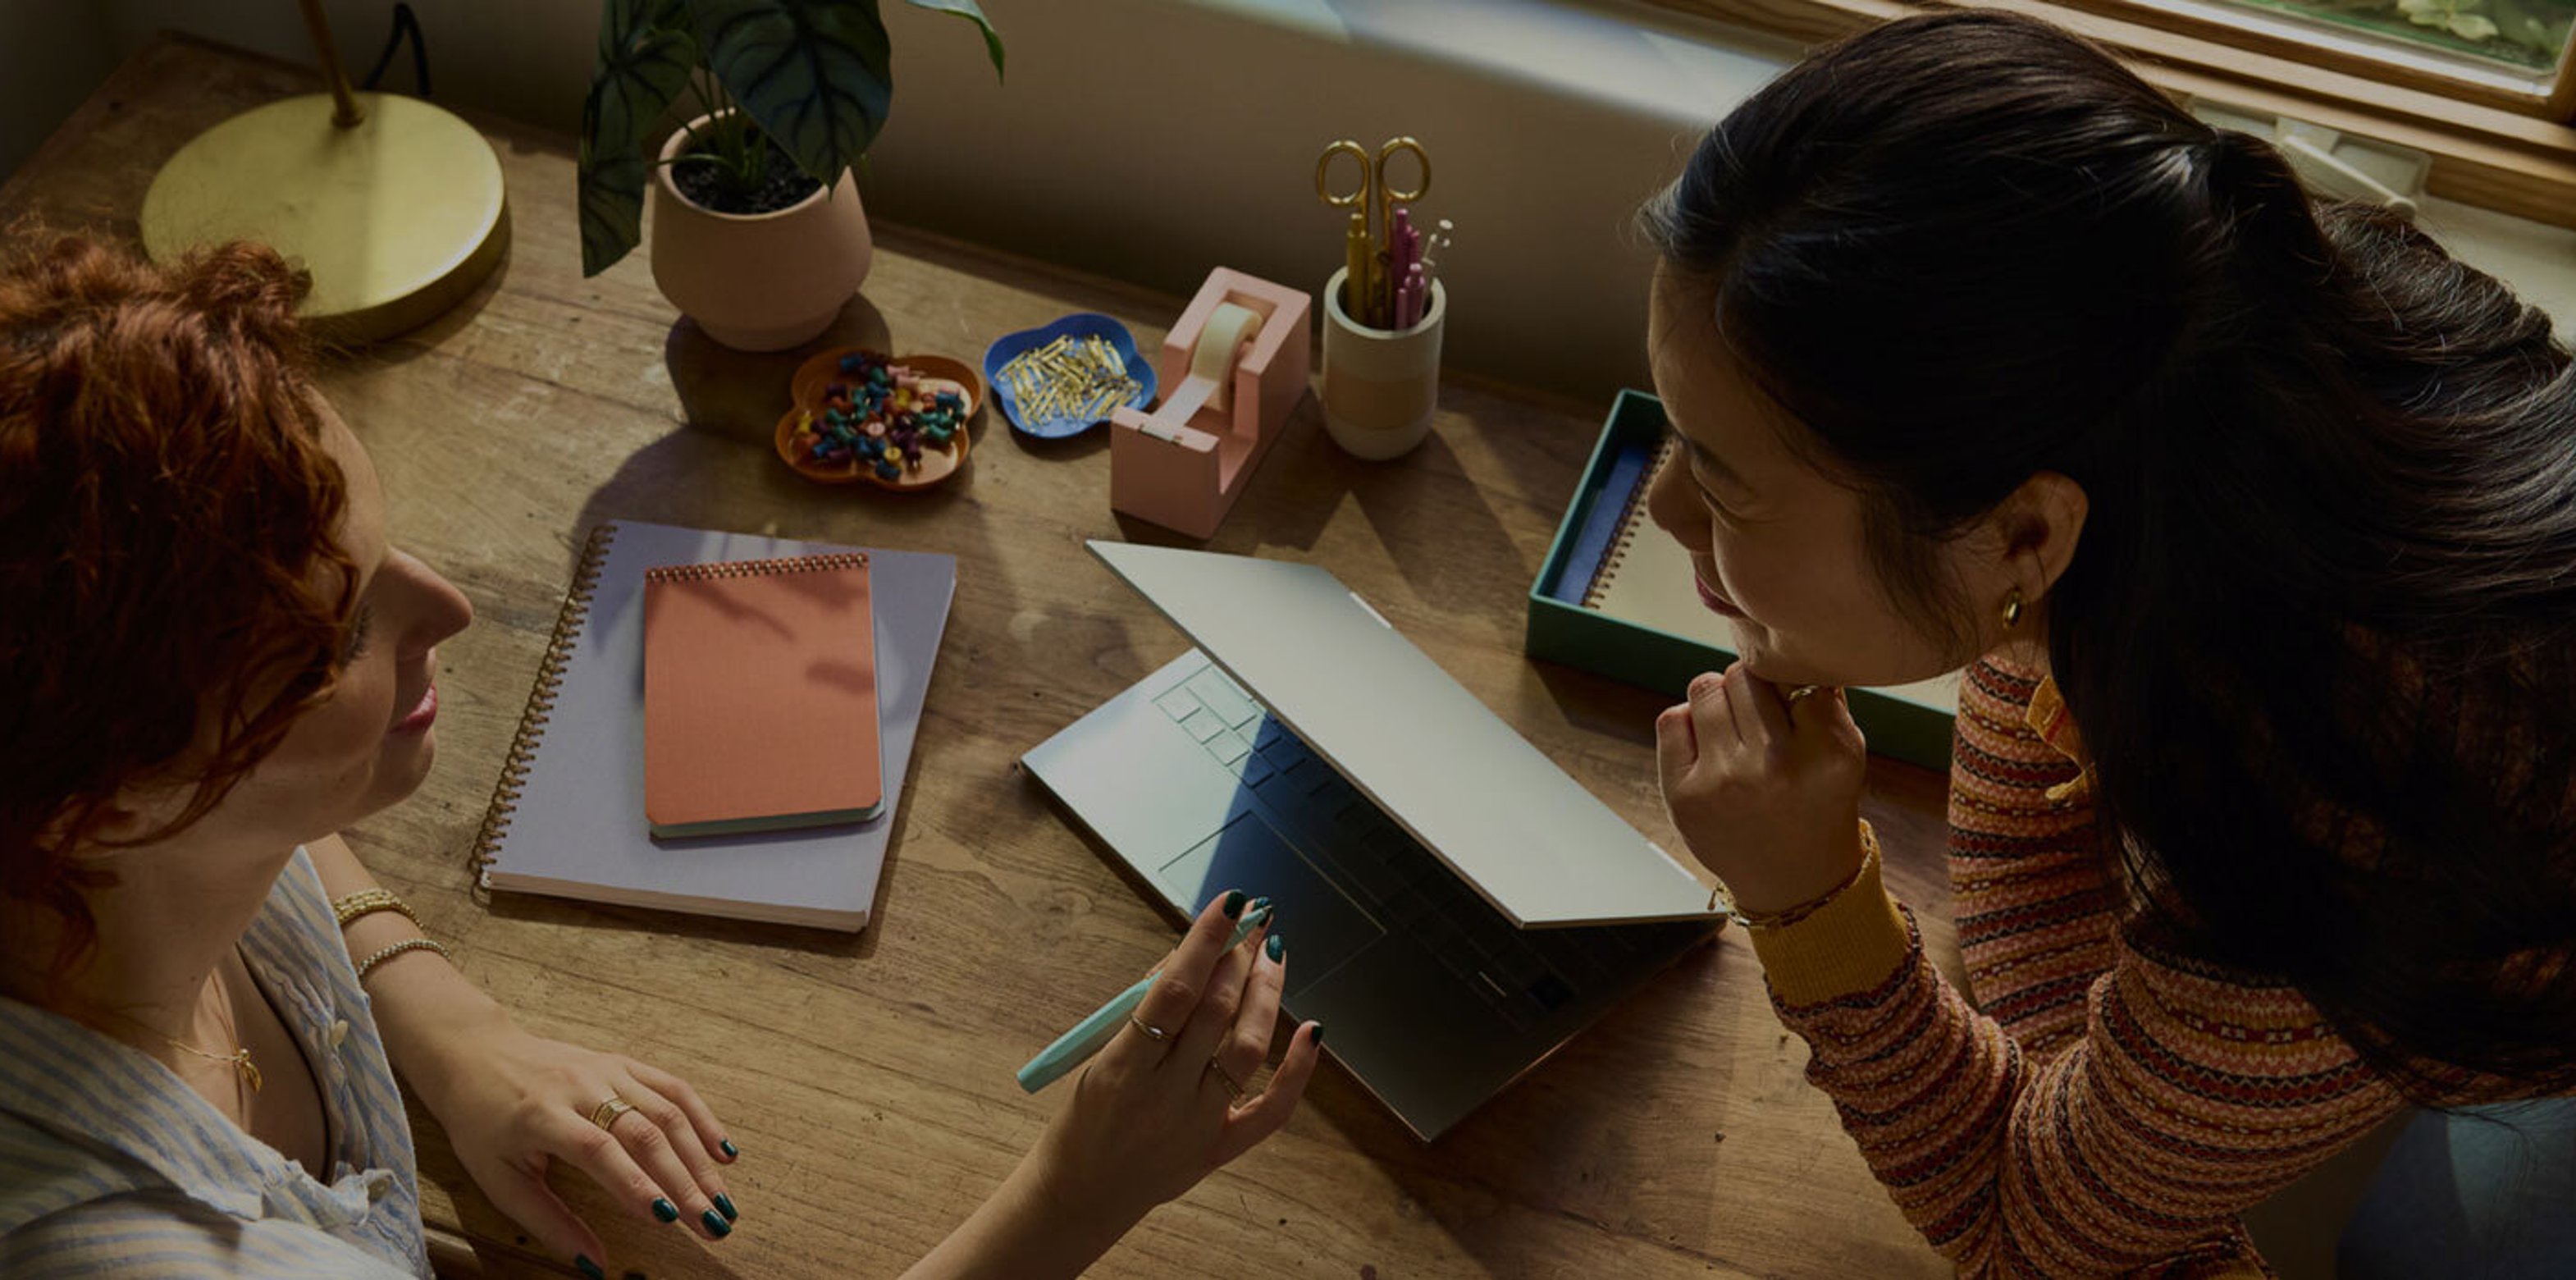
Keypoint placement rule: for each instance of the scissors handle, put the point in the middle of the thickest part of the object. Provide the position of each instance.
(1324, 175)
(1421, 187)
(1371, 280)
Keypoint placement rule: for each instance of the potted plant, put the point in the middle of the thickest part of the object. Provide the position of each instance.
(757, 230)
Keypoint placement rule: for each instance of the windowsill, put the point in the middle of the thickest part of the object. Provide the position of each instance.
(2491, 146)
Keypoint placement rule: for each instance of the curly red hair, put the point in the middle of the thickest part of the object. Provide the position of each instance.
(172, 594)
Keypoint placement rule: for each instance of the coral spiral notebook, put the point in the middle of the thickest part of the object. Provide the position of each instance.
(760, 696)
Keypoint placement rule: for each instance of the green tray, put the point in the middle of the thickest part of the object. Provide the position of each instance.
(1562, 630)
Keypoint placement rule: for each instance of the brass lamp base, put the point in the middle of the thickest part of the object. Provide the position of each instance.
(398, 217)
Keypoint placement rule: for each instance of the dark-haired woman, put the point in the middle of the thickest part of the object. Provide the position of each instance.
(213, 658)
(1984, 353)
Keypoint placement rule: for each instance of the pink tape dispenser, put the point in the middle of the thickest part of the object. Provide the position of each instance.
(1235, 366)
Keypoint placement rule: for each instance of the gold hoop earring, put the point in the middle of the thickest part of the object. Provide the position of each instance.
(2012, 609)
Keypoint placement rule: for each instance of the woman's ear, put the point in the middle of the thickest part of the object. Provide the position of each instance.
(2041, 523)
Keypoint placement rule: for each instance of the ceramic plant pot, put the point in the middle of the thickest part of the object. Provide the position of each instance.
(761, 281)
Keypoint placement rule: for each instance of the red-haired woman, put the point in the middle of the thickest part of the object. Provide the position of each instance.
(214, 658)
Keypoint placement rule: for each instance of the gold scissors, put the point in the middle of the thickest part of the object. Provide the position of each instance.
(1373, 205)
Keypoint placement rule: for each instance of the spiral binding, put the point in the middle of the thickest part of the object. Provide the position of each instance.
(541, 704)
(755, 568)
(1632, 522)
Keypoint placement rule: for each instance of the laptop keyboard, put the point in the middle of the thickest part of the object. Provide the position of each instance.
(1521, 974)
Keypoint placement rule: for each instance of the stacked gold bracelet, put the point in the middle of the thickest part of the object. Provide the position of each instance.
(407, 944)
(1783, 919)
(369, 901)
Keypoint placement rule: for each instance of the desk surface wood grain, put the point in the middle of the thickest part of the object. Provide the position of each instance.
(868, 1078)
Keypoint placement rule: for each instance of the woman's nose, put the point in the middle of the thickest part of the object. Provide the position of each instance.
(438, 609)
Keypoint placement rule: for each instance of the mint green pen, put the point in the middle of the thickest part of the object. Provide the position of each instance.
(1090, 1035)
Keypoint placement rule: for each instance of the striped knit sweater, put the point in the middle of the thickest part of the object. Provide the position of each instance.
(2103, 1110)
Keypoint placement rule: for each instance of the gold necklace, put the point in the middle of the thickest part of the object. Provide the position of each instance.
(245, 1070)
(239, 1058)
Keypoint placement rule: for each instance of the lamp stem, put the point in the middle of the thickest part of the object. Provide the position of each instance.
(345, 111)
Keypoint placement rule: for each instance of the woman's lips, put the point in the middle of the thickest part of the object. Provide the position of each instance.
(422, 715)
(1716, 603)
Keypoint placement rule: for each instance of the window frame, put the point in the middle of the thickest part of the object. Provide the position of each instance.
(2512, 152)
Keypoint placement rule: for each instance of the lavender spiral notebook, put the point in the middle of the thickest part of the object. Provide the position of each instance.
(567, 818)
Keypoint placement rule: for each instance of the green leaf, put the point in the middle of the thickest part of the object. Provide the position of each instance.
(815, 75)
(974, 13)
(645, 54)
(612, 208)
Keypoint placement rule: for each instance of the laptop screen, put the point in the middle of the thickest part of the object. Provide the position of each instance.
(1530, 839)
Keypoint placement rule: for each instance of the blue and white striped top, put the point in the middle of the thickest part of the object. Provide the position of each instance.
(110, 1166)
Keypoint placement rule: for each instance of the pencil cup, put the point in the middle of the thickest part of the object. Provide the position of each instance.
(1381, 386)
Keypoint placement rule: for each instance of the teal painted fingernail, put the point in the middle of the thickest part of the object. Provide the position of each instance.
(1278, 948)
(716, 1225)
(724, 1205)
(1319, 1035)
(731, 1151)
(1233, 904)
(588, 1267)
(665, 1210)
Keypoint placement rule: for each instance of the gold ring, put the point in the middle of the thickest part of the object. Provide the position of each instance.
(1231, 1084)
(1151, 1031)
(609, 1108)
(1800, 692)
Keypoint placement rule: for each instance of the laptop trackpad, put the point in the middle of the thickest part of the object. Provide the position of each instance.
(1322, 928)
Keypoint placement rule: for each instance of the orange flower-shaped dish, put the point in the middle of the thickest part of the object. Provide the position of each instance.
(811, 389)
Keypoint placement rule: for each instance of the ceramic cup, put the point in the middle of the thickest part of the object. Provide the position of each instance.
(1381, 386)
(759, 282)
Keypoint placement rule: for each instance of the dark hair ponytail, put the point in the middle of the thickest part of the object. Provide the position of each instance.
(2320, 628)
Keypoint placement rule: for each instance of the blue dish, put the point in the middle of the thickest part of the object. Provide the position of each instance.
(1081, 324)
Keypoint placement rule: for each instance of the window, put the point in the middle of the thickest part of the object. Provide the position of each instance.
(2521, 38)
(2487, 88)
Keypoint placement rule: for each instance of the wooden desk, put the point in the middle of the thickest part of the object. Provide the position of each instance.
(868, 1079)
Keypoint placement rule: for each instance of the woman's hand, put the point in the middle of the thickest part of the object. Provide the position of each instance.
(1150, 1116)
(513, 1103)
(1763, 788)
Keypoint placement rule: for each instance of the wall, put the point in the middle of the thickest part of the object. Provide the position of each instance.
(1148, 140)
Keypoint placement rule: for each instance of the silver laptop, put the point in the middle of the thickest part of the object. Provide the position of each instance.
(1455, 906)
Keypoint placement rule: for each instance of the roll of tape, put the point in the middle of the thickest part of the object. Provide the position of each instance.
(1220, 342)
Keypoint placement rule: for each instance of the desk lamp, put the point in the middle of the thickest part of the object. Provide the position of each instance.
(395, 206)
